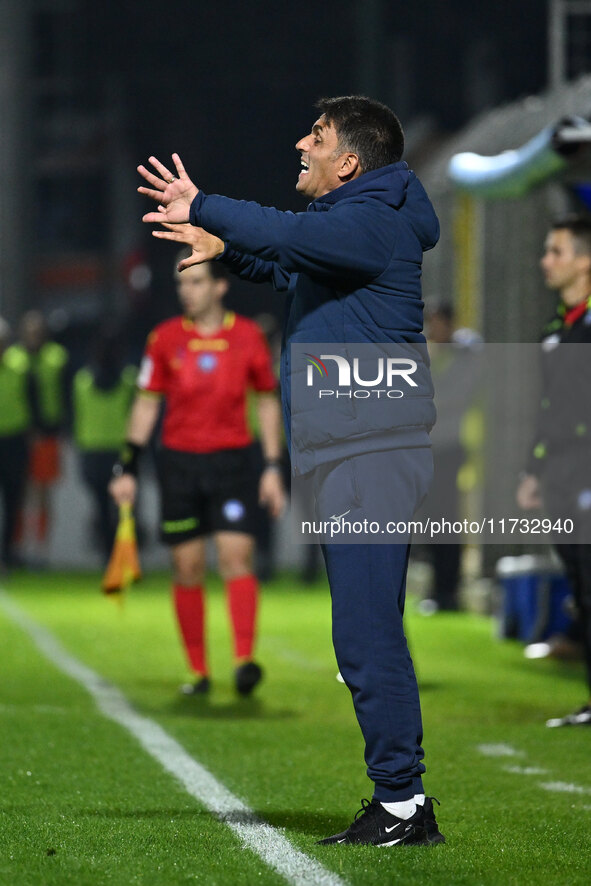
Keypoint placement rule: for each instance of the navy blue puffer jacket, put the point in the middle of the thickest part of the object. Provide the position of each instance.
(352, 264)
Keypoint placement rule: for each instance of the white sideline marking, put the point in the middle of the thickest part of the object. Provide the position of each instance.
(564, 787)
(525, 770)
(271, 846)
(498, 750)
(504, 750)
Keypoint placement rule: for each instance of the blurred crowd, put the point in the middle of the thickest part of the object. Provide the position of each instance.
(56, 393)
(45, 399)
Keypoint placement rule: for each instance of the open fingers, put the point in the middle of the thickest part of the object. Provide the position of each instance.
(166, 174)
(169, 235)
(180, 226)
(179, 166)
(154, 195)
(153, 217)
(153, 179)
(188, 262)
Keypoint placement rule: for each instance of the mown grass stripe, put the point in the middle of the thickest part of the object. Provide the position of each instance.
(271, 846)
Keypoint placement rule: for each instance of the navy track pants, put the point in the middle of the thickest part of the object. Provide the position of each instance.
(367, 588)
(368, 585)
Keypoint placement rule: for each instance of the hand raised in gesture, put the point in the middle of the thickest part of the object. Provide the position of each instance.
(204, 246)
(174, 193)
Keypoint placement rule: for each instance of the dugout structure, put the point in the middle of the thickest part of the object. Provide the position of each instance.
(487, 260)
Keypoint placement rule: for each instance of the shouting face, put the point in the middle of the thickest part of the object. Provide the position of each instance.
(324, 166)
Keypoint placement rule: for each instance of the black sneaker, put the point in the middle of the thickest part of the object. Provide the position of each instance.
(201, 687)
(581, 717)
(375, 827)
(247, 676)
(434, 835)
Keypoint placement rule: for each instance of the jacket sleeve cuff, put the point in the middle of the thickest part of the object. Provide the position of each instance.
(229, 256)
(195, 210)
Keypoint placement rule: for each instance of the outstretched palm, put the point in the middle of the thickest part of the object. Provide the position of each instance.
(173, 192)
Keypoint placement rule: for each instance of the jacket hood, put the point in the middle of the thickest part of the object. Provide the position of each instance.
(396, 186)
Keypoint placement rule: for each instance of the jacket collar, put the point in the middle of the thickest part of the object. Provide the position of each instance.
(364, 183)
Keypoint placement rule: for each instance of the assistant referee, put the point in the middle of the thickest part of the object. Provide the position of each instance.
(203, 365)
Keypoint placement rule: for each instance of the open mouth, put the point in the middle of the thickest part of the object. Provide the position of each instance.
(305, 168)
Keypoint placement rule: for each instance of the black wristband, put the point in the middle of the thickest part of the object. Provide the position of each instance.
(128, 461)
(273, 463)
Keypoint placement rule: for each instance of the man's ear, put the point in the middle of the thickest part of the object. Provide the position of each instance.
(584, 263)
(222, 286)
(349, 167)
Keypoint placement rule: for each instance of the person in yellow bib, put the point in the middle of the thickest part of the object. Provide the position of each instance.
(102, 393)
(48, 363)
(16, 420)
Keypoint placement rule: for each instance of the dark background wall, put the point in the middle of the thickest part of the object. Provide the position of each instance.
(231, 87)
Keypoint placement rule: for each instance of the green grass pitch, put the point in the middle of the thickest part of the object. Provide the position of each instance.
(82, 803)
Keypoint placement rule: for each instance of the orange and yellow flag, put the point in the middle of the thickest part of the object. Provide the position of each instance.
(124, 565)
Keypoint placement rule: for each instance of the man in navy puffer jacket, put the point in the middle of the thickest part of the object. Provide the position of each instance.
(352, 264)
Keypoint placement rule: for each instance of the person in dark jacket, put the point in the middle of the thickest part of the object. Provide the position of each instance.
(558, 473)
(352, 266)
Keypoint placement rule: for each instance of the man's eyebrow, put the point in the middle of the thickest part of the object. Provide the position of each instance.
(317, 129)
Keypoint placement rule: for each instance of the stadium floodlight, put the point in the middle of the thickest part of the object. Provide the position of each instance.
(514, 172)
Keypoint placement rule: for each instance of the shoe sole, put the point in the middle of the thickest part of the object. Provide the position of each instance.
(189, 691)
(433, 839)
(247, 681)
(420, 838)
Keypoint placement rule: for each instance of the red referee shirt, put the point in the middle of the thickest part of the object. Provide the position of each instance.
(205, 380)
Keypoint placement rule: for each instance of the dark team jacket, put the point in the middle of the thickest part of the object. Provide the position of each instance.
(564, 419)
(352, 265)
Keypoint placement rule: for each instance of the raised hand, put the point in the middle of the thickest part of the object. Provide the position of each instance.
(204, 246)
(174, 193)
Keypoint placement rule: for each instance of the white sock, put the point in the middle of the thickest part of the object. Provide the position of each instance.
(403, 809)
(419, 799)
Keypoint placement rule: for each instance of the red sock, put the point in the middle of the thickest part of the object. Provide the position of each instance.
(243, 596)
(189, 605)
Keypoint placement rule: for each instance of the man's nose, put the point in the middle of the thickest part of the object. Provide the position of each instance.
(303, 144)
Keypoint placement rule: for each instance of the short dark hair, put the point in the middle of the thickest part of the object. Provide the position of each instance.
(580, 227)
(366, 127)
(217, 270)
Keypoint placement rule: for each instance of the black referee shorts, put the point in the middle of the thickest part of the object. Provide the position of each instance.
(201, 494)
